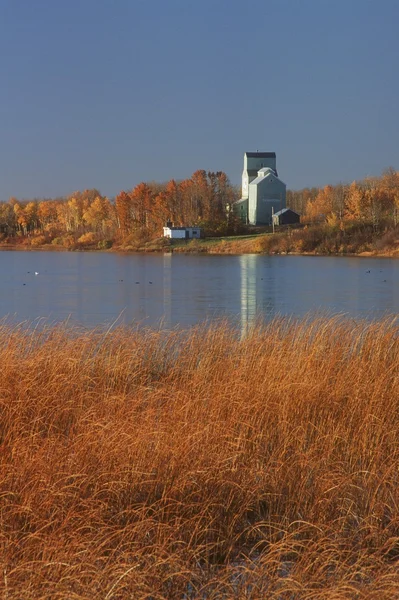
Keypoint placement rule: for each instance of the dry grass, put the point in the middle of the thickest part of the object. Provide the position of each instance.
(153, 465)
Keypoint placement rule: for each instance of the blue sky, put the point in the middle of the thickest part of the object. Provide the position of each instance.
(109, 93)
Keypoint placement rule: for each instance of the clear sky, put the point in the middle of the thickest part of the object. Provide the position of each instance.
(109, 93)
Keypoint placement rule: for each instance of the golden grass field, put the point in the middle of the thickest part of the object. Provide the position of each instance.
(195, 464)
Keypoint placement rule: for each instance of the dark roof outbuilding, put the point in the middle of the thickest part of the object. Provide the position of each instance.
(284, 210)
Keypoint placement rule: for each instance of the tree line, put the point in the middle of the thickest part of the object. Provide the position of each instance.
(204, 200)
(373, 200)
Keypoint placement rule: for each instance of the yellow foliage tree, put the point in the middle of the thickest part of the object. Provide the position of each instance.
(322, 206)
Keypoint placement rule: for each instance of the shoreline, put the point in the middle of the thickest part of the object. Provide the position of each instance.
(187, 250)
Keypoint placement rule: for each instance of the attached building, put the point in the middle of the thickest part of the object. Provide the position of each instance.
(286, 216)
(262, 191)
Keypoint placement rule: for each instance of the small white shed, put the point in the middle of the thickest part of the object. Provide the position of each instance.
(181, 233)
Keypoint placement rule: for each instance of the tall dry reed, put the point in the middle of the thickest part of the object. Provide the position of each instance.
(154, 465)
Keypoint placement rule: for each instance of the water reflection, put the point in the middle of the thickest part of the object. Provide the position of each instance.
(258, 290)
(167, 290)
(171, 290)
(249, 291)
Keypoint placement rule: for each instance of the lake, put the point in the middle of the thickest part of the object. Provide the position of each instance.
(168, 290)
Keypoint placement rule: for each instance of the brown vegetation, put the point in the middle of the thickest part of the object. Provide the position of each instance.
(325, 239)
(355, 218)
(348, 238)
(195, 464)
(372, 200)
(88, 220)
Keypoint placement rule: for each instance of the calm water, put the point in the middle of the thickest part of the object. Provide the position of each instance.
(95, 289)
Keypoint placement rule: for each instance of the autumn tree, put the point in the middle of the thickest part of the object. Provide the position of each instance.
(141, 206)
(322, 206)
(8, 224)
(354, 202)
(21, 218)
(297, 200)
(390, 185)
(173, 202)
(97, 216)
(123, 210)
(47, 215)
(160, 211)
(31, 215)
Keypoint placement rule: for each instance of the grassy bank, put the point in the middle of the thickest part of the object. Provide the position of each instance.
(353, 239)
(338, 239)
(197, 465)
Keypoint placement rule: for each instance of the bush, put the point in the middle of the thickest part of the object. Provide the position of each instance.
(159, 244)
(67, 241)
(271, 244)
(390, 239)
(39, 240)
(57, 241)
(136, 240)
(104, 244)
(195, 246)
(87, 239)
